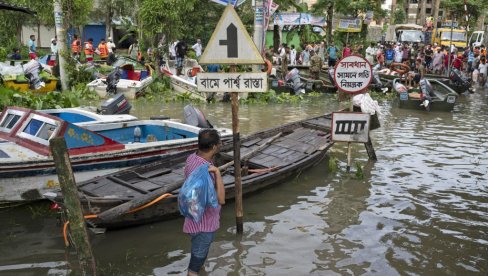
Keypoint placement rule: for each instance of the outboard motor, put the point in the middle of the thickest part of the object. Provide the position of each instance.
(376, 82)
(117, 104)
(32, 69)
(458, 79)
(112, 81)
(294, 81)
(194, 117)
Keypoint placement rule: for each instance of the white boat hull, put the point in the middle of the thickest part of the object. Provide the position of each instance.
(130, 88)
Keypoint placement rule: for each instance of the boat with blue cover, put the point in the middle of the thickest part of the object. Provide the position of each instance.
(95, 149)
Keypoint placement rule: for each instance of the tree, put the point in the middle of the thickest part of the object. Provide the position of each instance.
(76, 14)
(399, 16)
(347, 8)
(455, 8)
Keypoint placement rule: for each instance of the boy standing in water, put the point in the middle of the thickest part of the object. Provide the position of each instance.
(203, 233)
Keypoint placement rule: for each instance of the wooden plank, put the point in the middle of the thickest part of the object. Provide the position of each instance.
(252, 142)
(146, 185)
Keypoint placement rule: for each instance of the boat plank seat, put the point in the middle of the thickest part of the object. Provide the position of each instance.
(252, 142)
(105, 187)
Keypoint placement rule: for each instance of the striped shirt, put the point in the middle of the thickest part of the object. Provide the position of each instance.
(210, 221)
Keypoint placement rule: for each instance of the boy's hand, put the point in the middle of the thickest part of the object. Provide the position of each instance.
(213, 169)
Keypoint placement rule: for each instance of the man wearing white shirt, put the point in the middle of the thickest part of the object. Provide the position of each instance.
(110, 46)
(172, 50)
(370, 52)
(293, 55)
(197, 48)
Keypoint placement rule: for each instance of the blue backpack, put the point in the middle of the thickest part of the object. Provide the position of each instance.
(197, 193)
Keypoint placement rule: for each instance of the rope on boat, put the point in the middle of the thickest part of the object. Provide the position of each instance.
(92, 216)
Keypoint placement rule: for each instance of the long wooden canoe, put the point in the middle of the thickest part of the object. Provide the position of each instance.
(298, 146)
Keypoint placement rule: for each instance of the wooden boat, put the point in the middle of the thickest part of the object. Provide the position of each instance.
(443, 98)
(279, 154)
(26, 164)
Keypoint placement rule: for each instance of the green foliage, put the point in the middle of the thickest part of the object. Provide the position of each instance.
(167, 16)
(332, 164)
(272, 97)
(131, 31)
(75, 11)
(9, 97)
(399, 16)
(476, 8)
(359, 171)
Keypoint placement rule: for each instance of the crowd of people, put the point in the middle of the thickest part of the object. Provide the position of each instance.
(420, 59)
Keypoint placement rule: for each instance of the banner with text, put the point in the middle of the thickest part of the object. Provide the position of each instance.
(294, 19)
(349, 25)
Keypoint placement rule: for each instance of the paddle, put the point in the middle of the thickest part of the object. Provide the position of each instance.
(123, 208)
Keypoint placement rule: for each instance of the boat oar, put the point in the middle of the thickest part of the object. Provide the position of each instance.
(124, 208)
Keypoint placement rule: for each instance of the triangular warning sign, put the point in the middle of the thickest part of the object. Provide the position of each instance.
(230, 43)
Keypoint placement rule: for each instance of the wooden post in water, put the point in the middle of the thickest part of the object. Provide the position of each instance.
(73, 206)
(237, 158)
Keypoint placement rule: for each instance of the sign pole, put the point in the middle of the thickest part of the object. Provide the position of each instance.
(237, 158)
(352, 75)
(231, 44)
(349, 144)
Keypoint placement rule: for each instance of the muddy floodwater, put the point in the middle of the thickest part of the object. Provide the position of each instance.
(421, 209)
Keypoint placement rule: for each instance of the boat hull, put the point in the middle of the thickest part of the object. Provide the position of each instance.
(50, 85)
(131, 89)
(302, 145)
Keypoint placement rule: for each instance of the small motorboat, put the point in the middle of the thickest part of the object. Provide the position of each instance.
(28, 77)
(433, 95)
(26, 164)
(269, 157)
(456, 81)
(124, 79)
(186, 82)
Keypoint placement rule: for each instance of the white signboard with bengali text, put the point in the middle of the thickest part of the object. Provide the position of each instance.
(350, 127)
(353, 74)
(232, 82)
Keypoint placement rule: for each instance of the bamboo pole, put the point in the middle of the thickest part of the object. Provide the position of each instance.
(73, 206)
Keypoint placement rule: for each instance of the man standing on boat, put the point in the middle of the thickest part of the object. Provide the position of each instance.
(203, 233)
(181, 49)
(197, 48)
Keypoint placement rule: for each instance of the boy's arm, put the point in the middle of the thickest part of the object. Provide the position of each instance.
(219, 184)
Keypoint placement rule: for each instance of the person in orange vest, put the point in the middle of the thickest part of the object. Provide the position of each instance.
(103, 49)
(76, 47)
(89, 50)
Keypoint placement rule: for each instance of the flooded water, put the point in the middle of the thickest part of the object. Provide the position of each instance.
(422, 208)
